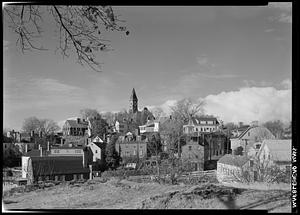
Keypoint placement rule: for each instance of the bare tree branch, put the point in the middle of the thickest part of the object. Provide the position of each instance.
(79, 29)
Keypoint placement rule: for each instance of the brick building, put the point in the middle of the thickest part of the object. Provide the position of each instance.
(131, 146)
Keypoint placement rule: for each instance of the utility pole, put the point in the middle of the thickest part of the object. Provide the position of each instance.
(178, 146)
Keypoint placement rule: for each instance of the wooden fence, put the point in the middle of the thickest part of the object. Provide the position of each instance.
(199, 173)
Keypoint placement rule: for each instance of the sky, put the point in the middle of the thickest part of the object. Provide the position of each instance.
(236, 59)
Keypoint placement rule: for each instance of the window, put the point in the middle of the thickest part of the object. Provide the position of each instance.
(141, 152)
(217, 152)
(251, 163)
(96, 151)
(134, 152)
(190, 148)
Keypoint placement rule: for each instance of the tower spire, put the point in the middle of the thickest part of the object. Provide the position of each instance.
(133, 101)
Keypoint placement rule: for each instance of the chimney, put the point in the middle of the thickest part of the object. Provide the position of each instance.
(170, 116)
(78, 120)
(84, 158)
(48, 146)
(41, 152)
(91, 172)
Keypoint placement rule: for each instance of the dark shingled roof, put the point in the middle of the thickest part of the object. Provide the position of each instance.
(58, 165)
(75, 124)
(234, 160)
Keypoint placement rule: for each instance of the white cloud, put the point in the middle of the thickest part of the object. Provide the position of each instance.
(166, 106)
(251, 103)
(287, 84)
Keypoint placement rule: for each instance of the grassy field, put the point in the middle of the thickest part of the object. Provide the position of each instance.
(124, 194)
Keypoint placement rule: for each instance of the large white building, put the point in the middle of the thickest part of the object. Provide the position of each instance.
(201, 125)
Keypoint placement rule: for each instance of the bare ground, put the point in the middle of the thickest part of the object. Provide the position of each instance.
(123, 194)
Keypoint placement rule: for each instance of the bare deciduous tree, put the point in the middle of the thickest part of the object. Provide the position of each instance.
(157, 112)
(47, 126)
(79, 28)
(186, 108)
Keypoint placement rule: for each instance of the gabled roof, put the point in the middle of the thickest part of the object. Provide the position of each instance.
(197, 121)
(280, 149)
(234, 160)
(75, 124)
(58, 165)
(97, 139)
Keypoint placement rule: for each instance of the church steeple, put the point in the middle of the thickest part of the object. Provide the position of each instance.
(133, 102)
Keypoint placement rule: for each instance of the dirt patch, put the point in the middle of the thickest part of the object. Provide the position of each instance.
(124, 194)
(189, 198)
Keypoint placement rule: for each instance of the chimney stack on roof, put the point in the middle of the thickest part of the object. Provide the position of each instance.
(84, 157)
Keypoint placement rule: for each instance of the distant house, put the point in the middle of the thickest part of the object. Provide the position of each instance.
(238, 131)
(54, 168)
(66, 151)
(7, 147)
(252, 149)
(231, 168)
(276, 152)
(251, 135)
(150, 126)
(131, 146)
(75, 127)
(201, 125)
(25, 147)
(193, 153)
(97, 146)
(204, 150)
